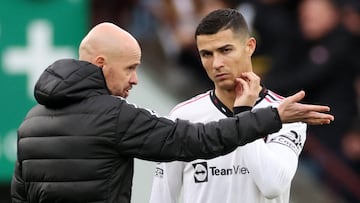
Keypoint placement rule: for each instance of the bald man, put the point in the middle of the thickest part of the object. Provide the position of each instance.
(79, 142)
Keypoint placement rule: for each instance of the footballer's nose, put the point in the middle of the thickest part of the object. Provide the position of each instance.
(218, 62)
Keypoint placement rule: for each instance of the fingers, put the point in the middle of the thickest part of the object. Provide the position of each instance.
(311, 118)
(290, 110)
(243, 85)
(320, 116)
(319, 108)
(247, 89)
(244, 94)
(317, 121)
(306, 107)
(252, 83)
(251, 77)
(249, 81)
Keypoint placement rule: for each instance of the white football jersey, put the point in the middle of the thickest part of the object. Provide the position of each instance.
(259, 172)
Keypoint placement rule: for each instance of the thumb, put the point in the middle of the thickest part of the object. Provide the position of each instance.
(296, 97)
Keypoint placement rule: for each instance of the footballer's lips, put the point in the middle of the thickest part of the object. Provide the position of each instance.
(221, 76)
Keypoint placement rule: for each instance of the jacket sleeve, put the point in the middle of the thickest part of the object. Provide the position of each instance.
(167, 182)
(18, 192)
(146, 136)
(279, 156)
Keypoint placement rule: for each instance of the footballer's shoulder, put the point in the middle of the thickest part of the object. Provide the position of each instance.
(195, 102)
(273, 97)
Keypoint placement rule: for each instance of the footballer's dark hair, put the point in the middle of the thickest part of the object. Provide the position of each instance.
(223, 19)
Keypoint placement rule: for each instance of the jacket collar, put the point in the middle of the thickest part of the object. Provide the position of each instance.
(67, 81)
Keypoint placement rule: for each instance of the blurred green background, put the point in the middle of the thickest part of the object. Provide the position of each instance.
(33, 33)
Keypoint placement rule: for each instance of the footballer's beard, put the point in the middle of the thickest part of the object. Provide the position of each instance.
(226, 85)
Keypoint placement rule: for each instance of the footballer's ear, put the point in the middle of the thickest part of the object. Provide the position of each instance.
(251, 45)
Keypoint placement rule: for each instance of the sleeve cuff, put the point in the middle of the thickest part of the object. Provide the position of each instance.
(239, 109)
(277, 116)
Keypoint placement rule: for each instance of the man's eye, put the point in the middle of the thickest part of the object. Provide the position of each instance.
(205, 54)
(131, 68)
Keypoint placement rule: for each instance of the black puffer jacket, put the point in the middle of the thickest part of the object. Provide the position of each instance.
(79, 143)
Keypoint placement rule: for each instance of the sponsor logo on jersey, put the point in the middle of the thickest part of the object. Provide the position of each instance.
(159, 172)
(202, 171)
(292, 140)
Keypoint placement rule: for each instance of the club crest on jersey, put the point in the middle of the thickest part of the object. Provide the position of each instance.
(200, 172)
(159, 172)
(292, 140)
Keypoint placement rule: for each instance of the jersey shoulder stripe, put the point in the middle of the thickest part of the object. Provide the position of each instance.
(272, 97)
(189, 101)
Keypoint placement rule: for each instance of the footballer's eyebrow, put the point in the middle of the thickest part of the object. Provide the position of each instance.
(205, 51)
(225, 47)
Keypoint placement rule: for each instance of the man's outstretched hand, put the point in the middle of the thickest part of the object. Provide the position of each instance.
(290, 110)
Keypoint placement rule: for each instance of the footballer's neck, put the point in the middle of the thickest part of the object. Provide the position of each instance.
(227, 97)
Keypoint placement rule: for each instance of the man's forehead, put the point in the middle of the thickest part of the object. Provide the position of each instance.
(216, 41)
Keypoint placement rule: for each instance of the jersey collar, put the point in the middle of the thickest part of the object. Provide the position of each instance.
(225, 110)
